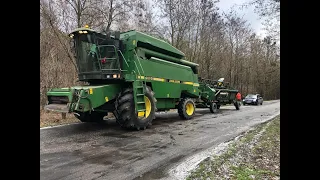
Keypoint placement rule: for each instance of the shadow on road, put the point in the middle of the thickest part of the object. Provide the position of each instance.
(164, 120)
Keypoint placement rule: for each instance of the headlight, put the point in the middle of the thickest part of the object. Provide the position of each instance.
(254, 100)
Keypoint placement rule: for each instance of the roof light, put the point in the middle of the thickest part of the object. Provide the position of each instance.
(86, 26)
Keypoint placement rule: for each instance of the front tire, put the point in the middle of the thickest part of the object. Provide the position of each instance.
(186, 108)
(125, 110)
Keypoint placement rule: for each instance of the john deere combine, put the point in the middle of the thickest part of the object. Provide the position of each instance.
(132, 75)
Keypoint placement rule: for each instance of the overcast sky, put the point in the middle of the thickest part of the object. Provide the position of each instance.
(248, 13)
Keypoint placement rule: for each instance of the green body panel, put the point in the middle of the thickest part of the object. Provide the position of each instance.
(207, 93)
(166, 103)
(143, 52)
(173, 90)
(91, 96)
(156, 67)
(133, 37)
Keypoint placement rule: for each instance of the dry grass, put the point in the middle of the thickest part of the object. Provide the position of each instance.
(256, 155)
(54, 119)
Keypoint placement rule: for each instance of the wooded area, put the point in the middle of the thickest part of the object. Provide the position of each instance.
(222, 43)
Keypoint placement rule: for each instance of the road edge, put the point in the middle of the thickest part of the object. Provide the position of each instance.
(182, 169)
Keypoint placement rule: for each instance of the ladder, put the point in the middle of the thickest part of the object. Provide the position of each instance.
(139, 88)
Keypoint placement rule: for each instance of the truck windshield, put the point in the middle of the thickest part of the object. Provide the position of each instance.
(251, 96)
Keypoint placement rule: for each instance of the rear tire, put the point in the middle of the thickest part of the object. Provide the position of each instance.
(125, 110)
(213, 108)
(94, 116)
(186, 108)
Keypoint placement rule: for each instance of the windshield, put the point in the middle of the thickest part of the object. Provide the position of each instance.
(251, 96)
(86, 54)
(92, 57)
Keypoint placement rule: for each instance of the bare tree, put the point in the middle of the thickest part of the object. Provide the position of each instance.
(222, 44)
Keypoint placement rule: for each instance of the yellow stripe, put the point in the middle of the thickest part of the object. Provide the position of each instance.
(189, 83)
(158, 79)
(174, 81)
(170, 80)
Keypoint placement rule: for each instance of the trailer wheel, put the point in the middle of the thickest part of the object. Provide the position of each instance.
(93, 117)
(186, 108)
(213, 107)
(125, 110)
(237, 105)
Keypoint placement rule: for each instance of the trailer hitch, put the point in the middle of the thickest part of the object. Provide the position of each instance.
(78, 94)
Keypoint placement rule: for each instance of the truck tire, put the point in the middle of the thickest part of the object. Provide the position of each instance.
(213, 107)
(93, 117)
(186, 108)
(125, 110)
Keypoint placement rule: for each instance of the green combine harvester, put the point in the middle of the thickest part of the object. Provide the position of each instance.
(132, 75)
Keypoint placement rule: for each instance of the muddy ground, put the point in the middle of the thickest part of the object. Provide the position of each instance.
(93, 151)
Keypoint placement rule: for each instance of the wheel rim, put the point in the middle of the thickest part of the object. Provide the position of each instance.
(189, 109)
(148, 106)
